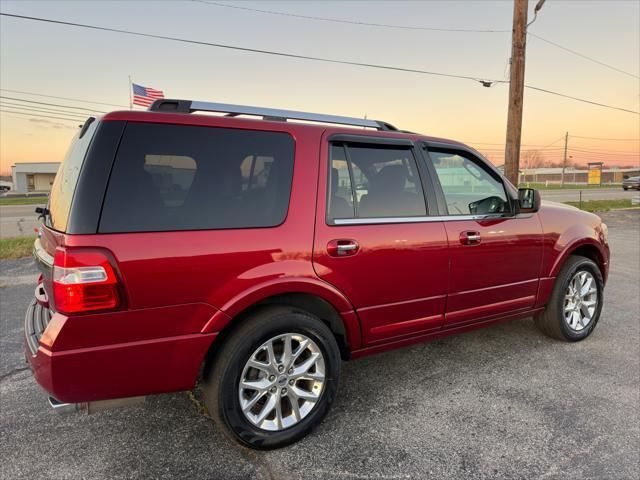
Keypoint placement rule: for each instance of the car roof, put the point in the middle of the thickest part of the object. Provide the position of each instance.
(260, 124)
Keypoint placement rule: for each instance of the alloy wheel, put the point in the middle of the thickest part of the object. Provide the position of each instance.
(282, 381)
(580, 301)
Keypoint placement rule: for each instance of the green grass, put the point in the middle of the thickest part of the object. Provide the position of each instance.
(602, 205)
(15, 247)
(556, 186)
(24, 201)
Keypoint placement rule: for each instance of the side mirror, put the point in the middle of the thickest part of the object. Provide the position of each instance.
(42, 212)
(528, 200)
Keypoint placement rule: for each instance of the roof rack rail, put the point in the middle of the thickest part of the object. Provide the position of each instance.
(190, 106)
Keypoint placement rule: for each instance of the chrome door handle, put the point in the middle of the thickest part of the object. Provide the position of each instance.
(342, 248)
(470, 238)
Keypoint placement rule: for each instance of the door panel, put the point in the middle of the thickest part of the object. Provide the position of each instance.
(499, 274)
(394, 261)
(397, 281)
(495, 263)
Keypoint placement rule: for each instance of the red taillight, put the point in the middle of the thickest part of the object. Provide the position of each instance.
(83, 281)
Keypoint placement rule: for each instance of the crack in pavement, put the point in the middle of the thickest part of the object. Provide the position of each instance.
(5, 376)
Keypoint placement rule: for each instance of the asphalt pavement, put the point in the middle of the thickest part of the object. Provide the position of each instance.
(503, 402)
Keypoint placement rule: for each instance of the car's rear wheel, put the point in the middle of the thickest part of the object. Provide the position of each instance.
(576, 301)
(274, 378)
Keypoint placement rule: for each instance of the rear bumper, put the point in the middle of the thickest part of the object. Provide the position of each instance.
(104, 372)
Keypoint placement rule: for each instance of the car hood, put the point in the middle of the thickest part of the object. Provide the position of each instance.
(569, 213)
(549, 205)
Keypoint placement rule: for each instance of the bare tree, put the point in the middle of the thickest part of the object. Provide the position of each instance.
(532, 159)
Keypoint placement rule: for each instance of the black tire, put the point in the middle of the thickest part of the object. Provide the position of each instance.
(625, 188)
(222, 375)
(551, 322)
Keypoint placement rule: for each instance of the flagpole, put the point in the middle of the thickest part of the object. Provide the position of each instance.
(130, 87)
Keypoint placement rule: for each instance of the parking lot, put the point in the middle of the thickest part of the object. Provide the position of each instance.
(503, 402)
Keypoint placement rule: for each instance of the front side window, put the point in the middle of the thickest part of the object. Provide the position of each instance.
(179, 177)
(374, 182)
(468, 188)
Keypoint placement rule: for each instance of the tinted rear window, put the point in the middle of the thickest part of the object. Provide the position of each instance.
(177, 177)
(64, 185)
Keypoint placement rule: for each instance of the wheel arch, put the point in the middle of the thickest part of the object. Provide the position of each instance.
(588, 248)
(307, 295)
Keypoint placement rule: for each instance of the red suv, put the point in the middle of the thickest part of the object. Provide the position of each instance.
(253, 255)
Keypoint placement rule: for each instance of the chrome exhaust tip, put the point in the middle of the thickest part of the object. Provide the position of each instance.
(62, 408)
(92, 407)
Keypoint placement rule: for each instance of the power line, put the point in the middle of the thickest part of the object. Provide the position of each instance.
(528, 149)
(555, 141)
(502, 144)
(485, 82)
(523, 145)
(581, 99)
(247, 49)
(51, 104)
(611, 139)
(37, 106)
(409, 27)
(352, 22)
(38, 112)
(49, 111)
(608, 153)
(39, 116)
(62, 98)
(583, 56)
(41, 110)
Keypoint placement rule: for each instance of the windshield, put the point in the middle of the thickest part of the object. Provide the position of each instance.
(66, 179)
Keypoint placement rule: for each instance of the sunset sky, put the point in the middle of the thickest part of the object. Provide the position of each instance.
(92, 65)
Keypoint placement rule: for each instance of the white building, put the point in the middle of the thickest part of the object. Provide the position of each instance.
(575, 175)
(33, 177)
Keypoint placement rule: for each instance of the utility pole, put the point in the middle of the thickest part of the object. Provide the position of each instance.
(516, 90)
(516, 86)
(564, 162)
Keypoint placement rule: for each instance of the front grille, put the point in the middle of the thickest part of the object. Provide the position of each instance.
(35, 321)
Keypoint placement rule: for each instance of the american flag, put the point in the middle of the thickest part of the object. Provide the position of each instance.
(145, 96)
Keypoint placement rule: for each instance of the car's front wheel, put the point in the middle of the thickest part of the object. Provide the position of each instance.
(274, 378)
(576, 302)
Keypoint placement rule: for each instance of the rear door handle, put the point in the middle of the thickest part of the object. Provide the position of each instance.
(342, 248)
(470, 238)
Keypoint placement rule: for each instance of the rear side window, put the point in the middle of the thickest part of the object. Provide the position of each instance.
(374, 182)
(172, 176)
(64, 185)
(178, 177)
